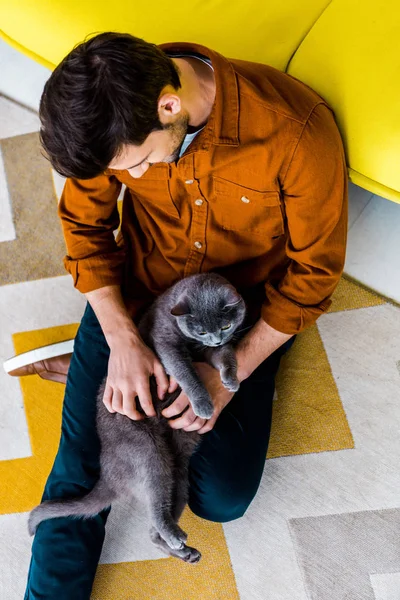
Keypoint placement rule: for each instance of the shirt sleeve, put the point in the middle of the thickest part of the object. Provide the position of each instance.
(315, 194)
(89, 216)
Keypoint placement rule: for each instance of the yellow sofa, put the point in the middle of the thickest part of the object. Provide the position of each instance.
(347, 50)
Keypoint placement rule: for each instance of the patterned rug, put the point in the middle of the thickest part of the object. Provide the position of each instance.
(325, 522)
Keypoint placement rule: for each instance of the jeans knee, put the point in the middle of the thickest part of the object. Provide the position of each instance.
(219, 509)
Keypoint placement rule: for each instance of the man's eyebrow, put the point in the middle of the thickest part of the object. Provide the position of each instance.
(133, 166)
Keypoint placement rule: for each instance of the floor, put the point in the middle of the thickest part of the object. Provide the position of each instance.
(373, 251)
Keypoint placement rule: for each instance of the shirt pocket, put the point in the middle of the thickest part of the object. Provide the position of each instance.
(242, 209)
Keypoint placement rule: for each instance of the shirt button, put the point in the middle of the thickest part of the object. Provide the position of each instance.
(198, 245)
(245, 199)
(189, 181)
(199, 202)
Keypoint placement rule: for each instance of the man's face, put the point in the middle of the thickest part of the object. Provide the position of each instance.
(159, 146)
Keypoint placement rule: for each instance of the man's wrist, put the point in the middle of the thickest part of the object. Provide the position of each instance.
(259, 343)
(123, 336)
(115, 321)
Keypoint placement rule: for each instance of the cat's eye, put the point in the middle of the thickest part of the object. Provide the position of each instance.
(202, 332)
(226, 327)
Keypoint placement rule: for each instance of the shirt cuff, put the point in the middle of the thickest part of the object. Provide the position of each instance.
(95, 272)
(288, 316)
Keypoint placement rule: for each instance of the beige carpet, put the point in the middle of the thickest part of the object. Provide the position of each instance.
(325, 523)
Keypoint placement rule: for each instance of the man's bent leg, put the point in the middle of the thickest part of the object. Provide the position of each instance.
(225, 472)
(65, 551)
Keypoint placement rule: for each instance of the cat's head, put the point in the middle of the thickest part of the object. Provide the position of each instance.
(209, 311)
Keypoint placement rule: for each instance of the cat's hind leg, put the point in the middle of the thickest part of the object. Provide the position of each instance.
(183, 449)
(159, 489)
(179, 501)
(187, 553)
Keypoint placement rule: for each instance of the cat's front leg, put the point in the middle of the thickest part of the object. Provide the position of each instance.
(182, 369)
(223, 358)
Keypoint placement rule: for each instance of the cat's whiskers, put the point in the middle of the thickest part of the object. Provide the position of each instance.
(244, 329)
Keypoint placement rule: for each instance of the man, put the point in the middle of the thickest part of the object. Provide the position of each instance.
(229, 166)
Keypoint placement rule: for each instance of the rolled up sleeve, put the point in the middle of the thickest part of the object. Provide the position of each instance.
(315, 194)
(89, 215)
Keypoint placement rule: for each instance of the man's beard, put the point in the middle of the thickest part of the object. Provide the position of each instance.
(179, 130)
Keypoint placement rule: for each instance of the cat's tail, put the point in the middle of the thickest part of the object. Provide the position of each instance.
(88, 506)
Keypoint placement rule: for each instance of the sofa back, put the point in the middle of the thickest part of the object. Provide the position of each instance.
(346, 50)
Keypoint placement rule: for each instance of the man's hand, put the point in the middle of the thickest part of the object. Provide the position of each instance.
(130, 366)
(131, 361)
(189, 421)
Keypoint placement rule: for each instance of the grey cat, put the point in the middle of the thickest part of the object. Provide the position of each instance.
(198, 318)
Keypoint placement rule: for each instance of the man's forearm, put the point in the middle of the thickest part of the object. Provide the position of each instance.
(261, 341)
(110, 309)
(115, 321)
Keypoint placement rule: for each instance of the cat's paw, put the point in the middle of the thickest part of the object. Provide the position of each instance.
(229, 380)
(190, 555)
(203, 407)
(204, 412)
(186, 553)
(231, 385)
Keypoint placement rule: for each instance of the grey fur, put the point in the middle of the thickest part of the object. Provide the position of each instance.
(148, 458)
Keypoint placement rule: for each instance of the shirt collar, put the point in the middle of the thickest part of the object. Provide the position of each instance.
(223, 123)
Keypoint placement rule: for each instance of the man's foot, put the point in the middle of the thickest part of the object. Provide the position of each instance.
(49, 362)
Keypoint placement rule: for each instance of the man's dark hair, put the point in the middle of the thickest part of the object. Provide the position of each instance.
(102, 95)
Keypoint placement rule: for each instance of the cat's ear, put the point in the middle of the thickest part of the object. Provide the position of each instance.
(181, 309)
(233, 298)
(232, 304)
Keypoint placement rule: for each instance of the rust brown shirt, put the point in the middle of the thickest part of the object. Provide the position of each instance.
(260, 196)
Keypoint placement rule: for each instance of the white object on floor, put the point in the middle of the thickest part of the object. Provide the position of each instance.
(42, 353)
(29, 306)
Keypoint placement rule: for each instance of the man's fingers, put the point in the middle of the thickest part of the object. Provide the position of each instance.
(181, 402)
(208, 425)
(197, 424)
(185, 420)
(129, 408)
(117, 401)
(145, 399)
(162, 380)
(173, 384)
(107, 398)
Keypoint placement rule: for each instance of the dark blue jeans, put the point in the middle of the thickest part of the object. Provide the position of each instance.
(225, 472)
